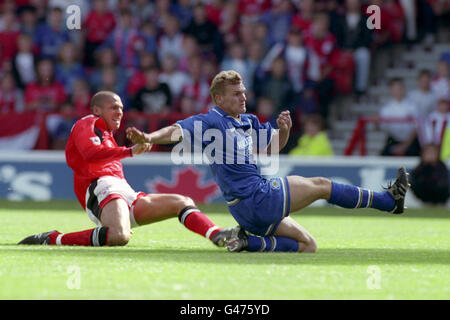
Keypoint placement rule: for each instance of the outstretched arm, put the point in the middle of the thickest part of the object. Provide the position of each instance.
(166, 135)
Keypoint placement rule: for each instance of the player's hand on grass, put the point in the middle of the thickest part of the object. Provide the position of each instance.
(284, 121)
(135, 135)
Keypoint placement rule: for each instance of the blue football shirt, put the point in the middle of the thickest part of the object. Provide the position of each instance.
(229, 145)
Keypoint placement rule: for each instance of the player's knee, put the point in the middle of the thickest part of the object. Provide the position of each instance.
(188, 202)
(118, 237)
(183, 202)
(308, 245)
(311, 246)
(323, 184)
(321, 181)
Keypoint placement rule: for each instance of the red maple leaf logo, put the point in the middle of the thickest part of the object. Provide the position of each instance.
(187, 182)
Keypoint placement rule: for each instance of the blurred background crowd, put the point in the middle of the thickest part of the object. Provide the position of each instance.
(318, 59)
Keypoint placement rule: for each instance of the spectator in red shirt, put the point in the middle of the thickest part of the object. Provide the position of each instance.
(354, 37)
(253, 9)
(323, 43)
(197, 87)
(137, 80)
(45, 94)
(304, 18)
(392, 23)
(97, 27)
(214, 11)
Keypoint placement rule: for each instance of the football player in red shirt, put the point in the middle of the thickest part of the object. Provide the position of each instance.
(102, 190)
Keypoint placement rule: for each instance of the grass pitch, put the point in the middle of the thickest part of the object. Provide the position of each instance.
(362, 254)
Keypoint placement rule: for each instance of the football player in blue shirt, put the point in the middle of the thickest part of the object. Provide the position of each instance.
(261, 206)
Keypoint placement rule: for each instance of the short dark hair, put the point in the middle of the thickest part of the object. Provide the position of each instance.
(424, 72)
(99, 98)
(395, 80)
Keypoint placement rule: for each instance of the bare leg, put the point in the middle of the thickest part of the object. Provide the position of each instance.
(116, 216)
(158, 207)
(304, 191)
(289, 228)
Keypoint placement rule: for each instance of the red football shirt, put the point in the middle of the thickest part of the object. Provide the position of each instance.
(92, 152)
(99, 26)
(46, 94)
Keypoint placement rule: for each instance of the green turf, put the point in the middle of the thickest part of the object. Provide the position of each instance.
(411, 252)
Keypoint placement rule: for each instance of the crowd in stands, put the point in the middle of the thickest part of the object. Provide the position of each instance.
(160, 56)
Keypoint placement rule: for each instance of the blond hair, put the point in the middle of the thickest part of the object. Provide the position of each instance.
(221, 80)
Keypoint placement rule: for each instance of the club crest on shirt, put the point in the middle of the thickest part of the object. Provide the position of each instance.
(95, 140)
(275, 184)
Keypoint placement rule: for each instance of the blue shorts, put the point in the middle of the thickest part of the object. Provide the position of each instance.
(262, 212)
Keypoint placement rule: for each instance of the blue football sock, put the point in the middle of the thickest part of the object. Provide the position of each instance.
(275, 244)
(348, 196)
